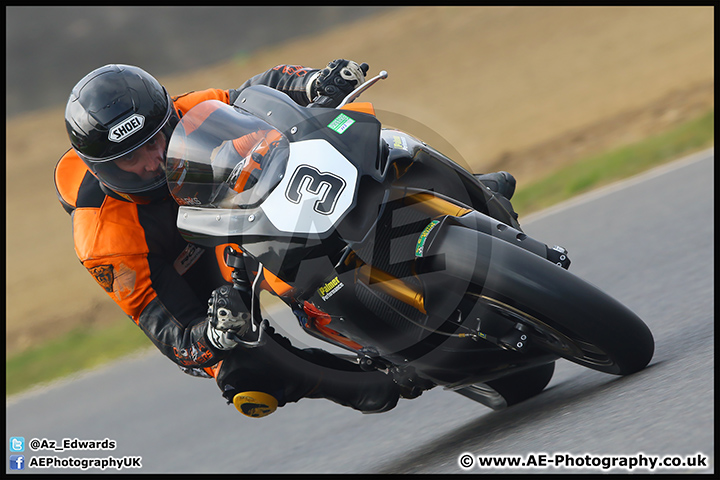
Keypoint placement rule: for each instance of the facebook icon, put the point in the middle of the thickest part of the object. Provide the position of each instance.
(17, 462)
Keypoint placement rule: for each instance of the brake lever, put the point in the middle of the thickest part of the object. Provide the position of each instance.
(257, 323)
(252, 343)
(361, 88)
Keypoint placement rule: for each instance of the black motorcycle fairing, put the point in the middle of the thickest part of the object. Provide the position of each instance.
(300, 123)
(371, 245)
(403, 257)
(419, 166)
(244, 217)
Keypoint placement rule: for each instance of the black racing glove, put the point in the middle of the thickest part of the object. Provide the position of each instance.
(228, 317)
(334, 82)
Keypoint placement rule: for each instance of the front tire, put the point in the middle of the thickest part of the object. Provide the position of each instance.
(563, 313)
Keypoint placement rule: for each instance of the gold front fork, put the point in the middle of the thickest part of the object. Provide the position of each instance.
(435, 206)
(393, 286)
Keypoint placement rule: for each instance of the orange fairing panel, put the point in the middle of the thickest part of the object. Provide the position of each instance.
(219, 254)
(362, 107)
(271, 282)
(276, 285)
(213, 370)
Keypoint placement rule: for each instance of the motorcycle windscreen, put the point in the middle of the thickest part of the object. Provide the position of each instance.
(220, 156)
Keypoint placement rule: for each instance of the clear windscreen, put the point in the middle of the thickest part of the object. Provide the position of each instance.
(223, 157)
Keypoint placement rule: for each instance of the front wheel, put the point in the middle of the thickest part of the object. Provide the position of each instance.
(558, 311)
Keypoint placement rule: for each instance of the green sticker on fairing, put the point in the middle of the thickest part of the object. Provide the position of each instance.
(341, 123)
(420, 247)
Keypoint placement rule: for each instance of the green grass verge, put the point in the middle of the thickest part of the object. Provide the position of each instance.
(90, 347)
(606, 168)
(80, 349)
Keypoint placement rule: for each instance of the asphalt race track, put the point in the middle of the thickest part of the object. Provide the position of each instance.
(647, 241)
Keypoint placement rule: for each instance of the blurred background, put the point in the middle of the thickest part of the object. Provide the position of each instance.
(49, 48)
(524, 89)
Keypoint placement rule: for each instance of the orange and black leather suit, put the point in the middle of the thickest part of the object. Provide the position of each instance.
(136, 254)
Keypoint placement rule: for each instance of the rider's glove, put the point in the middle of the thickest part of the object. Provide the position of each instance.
(335, 82)
(228, 317)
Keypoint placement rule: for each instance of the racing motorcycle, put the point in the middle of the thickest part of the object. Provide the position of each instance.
(384, 247)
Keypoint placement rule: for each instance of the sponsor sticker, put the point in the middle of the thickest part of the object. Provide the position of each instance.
(330, 288)
(399, 142)
(122, 130)
(420, 247)
(187, 258)
(341, 123)
(188, 201)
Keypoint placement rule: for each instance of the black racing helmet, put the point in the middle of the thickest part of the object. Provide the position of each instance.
(113, 111)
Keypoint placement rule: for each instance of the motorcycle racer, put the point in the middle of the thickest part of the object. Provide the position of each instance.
(113, 184)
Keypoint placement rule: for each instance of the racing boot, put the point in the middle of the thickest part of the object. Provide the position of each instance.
(368, 392)
(503, 185)
(345, 383)
(260, 380)
(499, 182)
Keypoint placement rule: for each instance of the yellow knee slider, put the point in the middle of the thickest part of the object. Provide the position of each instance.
(255, 404)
